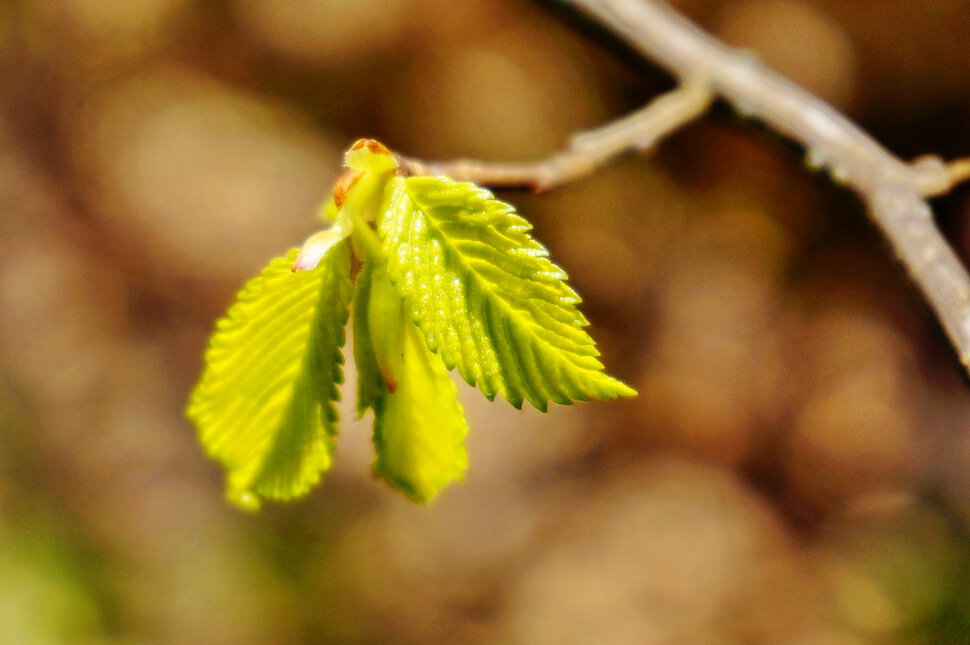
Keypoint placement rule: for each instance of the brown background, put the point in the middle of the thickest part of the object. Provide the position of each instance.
(796, 469)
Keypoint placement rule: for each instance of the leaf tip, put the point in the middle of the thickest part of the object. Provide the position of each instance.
(244, 500)
(621, 389)
(419, 492)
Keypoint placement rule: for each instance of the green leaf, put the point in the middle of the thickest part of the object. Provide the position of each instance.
(370, 383)
(419, 428)
(264, 406)
(486, 296)
(386, 318)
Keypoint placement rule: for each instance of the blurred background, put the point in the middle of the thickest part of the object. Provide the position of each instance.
(796, 469)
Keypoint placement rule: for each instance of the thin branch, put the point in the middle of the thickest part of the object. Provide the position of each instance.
(890, 188)
(959, 171)
(893, 190)
(640, 130)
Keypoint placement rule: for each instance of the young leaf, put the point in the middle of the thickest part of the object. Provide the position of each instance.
(386, 324)
(370, 383)
(264, 405)
(449, 277)
(486, 296)
(419, 428)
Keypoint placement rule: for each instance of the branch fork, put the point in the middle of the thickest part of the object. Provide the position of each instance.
(894, 191)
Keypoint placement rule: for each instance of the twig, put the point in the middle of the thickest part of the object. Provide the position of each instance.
(891, 189)
(959, 171)
(640, 130)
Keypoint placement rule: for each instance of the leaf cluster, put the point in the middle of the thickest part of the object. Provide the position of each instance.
(441, 276)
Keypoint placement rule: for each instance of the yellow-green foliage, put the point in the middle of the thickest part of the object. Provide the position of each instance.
(264, 405)
(487, 297)
(449, 278)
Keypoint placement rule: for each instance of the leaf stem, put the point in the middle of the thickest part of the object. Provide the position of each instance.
(640, 130)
